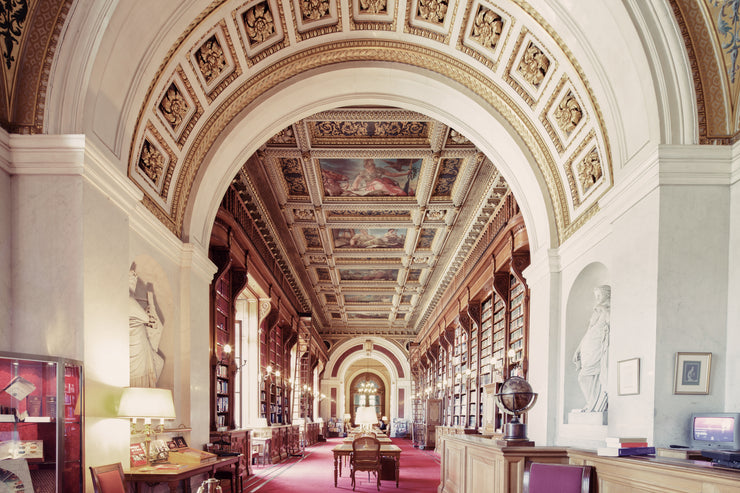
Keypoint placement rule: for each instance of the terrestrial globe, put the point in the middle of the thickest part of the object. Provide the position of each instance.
(515, 397)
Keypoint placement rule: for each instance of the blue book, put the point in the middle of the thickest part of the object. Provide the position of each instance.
(625, 451)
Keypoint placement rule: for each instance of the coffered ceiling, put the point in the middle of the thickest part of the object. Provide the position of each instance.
(373, 208)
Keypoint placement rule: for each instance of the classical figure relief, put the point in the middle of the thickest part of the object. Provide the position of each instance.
(145, 331)
(433, 10)
(589, 170)
(436, 215)
(285, 136)
(534, 65)
(211, 59)
(12, 16)
(259, 23)
(151, 161)
(590, 357)
(456, 138)
(568, 113)
(487, 27)
(173, 106)
(303, 214)
(373, 6)
(313, 10)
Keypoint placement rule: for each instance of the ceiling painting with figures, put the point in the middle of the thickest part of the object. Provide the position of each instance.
(372, 207)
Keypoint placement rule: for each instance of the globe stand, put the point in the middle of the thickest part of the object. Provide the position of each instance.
(515, 434)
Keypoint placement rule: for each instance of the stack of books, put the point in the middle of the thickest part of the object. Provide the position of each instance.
(625, 446)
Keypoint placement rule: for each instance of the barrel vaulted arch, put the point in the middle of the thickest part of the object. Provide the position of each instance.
(504, 56)
(344, 355)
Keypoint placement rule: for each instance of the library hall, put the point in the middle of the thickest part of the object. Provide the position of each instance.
(441, 246)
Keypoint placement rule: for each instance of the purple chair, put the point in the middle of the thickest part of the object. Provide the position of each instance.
(558, 478)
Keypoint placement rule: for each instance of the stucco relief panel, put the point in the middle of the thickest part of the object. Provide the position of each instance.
(564, 116)
(178, 108)
(487, 29)
(214, 61)
(531, 68)
(261, 26)
(154, 165)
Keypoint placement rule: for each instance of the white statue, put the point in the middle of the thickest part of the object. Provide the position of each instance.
(145, 332)
(590, 357)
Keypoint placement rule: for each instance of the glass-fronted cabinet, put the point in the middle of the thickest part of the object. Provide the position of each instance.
(40, 424)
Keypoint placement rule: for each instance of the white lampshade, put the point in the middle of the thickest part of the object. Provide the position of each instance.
(366, 416)
(140, 402)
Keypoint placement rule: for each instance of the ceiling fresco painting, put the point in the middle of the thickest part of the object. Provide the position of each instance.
(373, 204)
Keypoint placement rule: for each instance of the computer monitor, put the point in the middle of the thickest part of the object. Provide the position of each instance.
(715, 431)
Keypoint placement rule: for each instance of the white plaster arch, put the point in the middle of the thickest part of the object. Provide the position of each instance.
(341, 348)
(371, 83)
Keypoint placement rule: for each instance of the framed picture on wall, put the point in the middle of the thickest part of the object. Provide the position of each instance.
(692, 373)
(628, 376)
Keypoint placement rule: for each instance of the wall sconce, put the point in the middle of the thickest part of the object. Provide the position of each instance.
(268, 372)
(225, 361)
(146, 403)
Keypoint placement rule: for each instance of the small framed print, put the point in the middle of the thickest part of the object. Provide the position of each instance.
(628, 376)
(179, 442)
(692, 373)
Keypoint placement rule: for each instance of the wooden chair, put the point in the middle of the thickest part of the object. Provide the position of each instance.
(108, 479)
(558, 478)
(365, 457)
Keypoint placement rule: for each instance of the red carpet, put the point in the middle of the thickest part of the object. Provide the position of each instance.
(314, 472)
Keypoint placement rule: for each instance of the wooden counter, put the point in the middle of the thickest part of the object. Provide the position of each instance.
(471, 464)
(650, 474)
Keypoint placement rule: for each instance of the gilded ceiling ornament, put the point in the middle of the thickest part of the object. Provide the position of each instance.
(151, 161)
(373, 6)
(314, 9)
(436, 215)
(447, 175)
(293, 174)
(285, 136)
(259, 23)
(589, 170)
(728, 28)
(534, 65)
(458, 138)
(173, 106)
(303, 214)
(211, 59)
(13, 14)
(433, 10)
(568, 113)
(487, 27)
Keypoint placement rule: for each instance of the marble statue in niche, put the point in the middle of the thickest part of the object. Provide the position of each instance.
(145, 332)
(590, 357)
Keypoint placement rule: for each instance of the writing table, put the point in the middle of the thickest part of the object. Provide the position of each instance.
(386, 450)
(382, 440)
(173, 474)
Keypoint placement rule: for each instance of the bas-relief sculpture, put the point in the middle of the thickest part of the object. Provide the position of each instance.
(145, 333)
(590, 357)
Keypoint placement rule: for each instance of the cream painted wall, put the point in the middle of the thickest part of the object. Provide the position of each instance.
(6, 233)
(692, 299)
(732, 399)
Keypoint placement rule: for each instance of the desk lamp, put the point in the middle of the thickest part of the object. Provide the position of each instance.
(366, 418)
(146, 403)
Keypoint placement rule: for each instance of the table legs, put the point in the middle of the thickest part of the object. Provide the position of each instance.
(335, 470)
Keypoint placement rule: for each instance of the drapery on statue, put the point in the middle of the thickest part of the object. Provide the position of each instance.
(145, 332)
(590, 357)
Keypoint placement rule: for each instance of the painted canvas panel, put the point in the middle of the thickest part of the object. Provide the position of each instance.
(368, 298)
(369, 177)
(369, 238)
(367, 316)
(368, 274)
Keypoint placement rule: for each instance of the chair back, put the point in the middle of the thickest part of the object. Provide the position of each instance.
(108, 479)
(366, 451)
(558, 478)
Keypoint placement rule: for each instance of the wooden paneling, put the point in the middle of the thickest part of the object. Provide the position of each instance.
(657, 474)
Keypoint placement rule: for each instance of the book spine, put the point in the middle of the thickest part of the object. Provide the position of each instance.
(627, 444)
(623, 452)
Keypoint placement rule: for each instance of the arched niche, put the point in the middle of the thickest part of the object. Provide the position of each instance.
(578, 310)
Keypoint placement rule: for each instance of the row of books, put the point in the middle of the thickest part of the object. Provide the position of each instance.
(626, 446)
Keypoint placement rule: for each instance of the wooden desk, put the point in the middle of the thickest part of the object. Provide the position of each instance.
(152, 475)
(382, 440)
(386, 450)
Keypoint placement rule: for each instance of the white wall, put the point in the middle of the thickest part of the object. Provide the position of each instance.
(6, 233)
(732, 400)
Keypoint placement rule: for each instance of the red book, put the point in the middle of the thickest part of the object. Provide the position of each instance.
(633, 444)
(138, 455)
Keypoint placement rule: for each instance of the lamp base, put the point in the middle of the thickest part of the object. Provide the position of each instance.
(515, 432)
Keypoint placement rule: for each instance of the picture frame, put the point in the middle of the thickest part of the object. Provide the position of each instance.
(628, 376)
(179, 442)
(692, 373)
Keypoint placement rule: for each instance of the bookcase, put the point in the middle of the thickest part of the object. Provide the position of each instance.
(222, 390)
(41, 413)
(274, 368)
